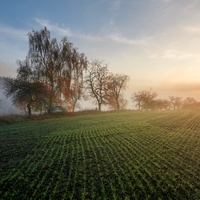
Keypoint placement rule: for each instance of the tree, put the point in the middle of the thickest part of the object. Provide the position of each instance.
(144, 99)
(117, 84)
(113, 105)
(162, 104)
(76, 93)
(175, 102)
(57, 64)
(76, 90)
(97, 82)
(123, 103)
(138, 99)
(25, 93)
(0, 104)
(189, 102)
(1, 83)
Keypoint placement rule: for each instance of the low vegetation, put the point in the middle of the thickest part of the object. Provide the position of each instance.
(112, 155)
(12, 119)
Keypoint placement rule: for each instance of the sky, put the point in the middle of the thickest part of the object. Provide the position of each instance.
(155, 42)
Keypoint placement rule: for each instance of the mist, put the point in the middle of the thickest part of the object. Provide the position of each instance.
(6, 106)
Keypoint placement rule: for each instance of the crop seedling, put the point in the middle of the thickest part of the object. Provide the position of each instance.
(113, 155)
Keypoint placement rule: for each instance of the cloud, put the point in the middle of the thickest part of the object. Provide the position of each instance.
(7, 31)
(184, 76)
(115, 5)
(190, 5)
(183, 82)
(66, 31)
(13, 46)
(54, 27)
(114, 37)
(166, 1)
(172, 54)
(191, 28)
(187, 89)
(117, 37)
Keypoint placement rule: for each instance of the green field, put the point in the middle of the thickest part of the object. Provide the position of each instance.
(124, 155)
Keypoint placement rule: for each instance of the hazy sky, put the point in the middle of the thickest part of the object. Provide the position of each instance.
(155, 42)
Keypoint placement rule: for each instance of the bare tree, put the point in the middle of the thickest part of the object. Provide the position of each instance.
(123, 103)
(97, 82)
(138, 99)
(144, 99)
(162, 104)
(117, 85)
(189, 102)
(175, 102)
(113, 105)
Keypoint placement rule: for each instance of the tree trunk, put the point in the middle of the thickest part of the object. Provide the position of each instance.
(74, 105)
(100, 107)
(50, 107)
(29, 109)
(118, 106)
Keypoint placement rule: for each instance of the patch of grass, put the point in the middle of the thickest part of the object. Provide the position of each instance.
(112, 155)
(10, 119)
(13, 119)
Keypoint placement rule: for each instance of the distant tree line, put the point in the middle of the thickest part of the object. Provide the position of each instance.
(146, 100)
(54, 76)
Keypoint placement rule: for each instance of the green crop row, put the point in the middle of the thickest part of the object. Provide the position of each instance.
(122, 155)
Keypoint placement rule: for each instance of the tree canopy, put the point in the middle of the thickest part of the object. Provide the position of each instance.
(31, 94)
(57, 65)
(117, 84)
(144, 99)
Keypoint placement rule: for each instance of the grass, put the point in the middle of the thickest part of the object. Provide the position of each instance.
(125, 155)
(13, 119)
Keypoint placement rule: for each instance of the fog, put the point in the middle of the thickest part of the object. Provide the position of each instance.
(163, 89)
(6, 106)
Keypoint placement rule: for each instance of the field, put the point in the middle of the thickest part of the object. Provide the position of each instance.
(123, 155)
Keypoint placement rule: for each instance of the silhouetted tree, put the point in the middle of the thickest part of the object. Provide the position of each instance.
(175, 102)
(97, 82)
(144, 99)
(117, 83)
(138, 99)
(162, 104)
(113, 105)
(189, 102)
(57, 64)
(25, 93)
